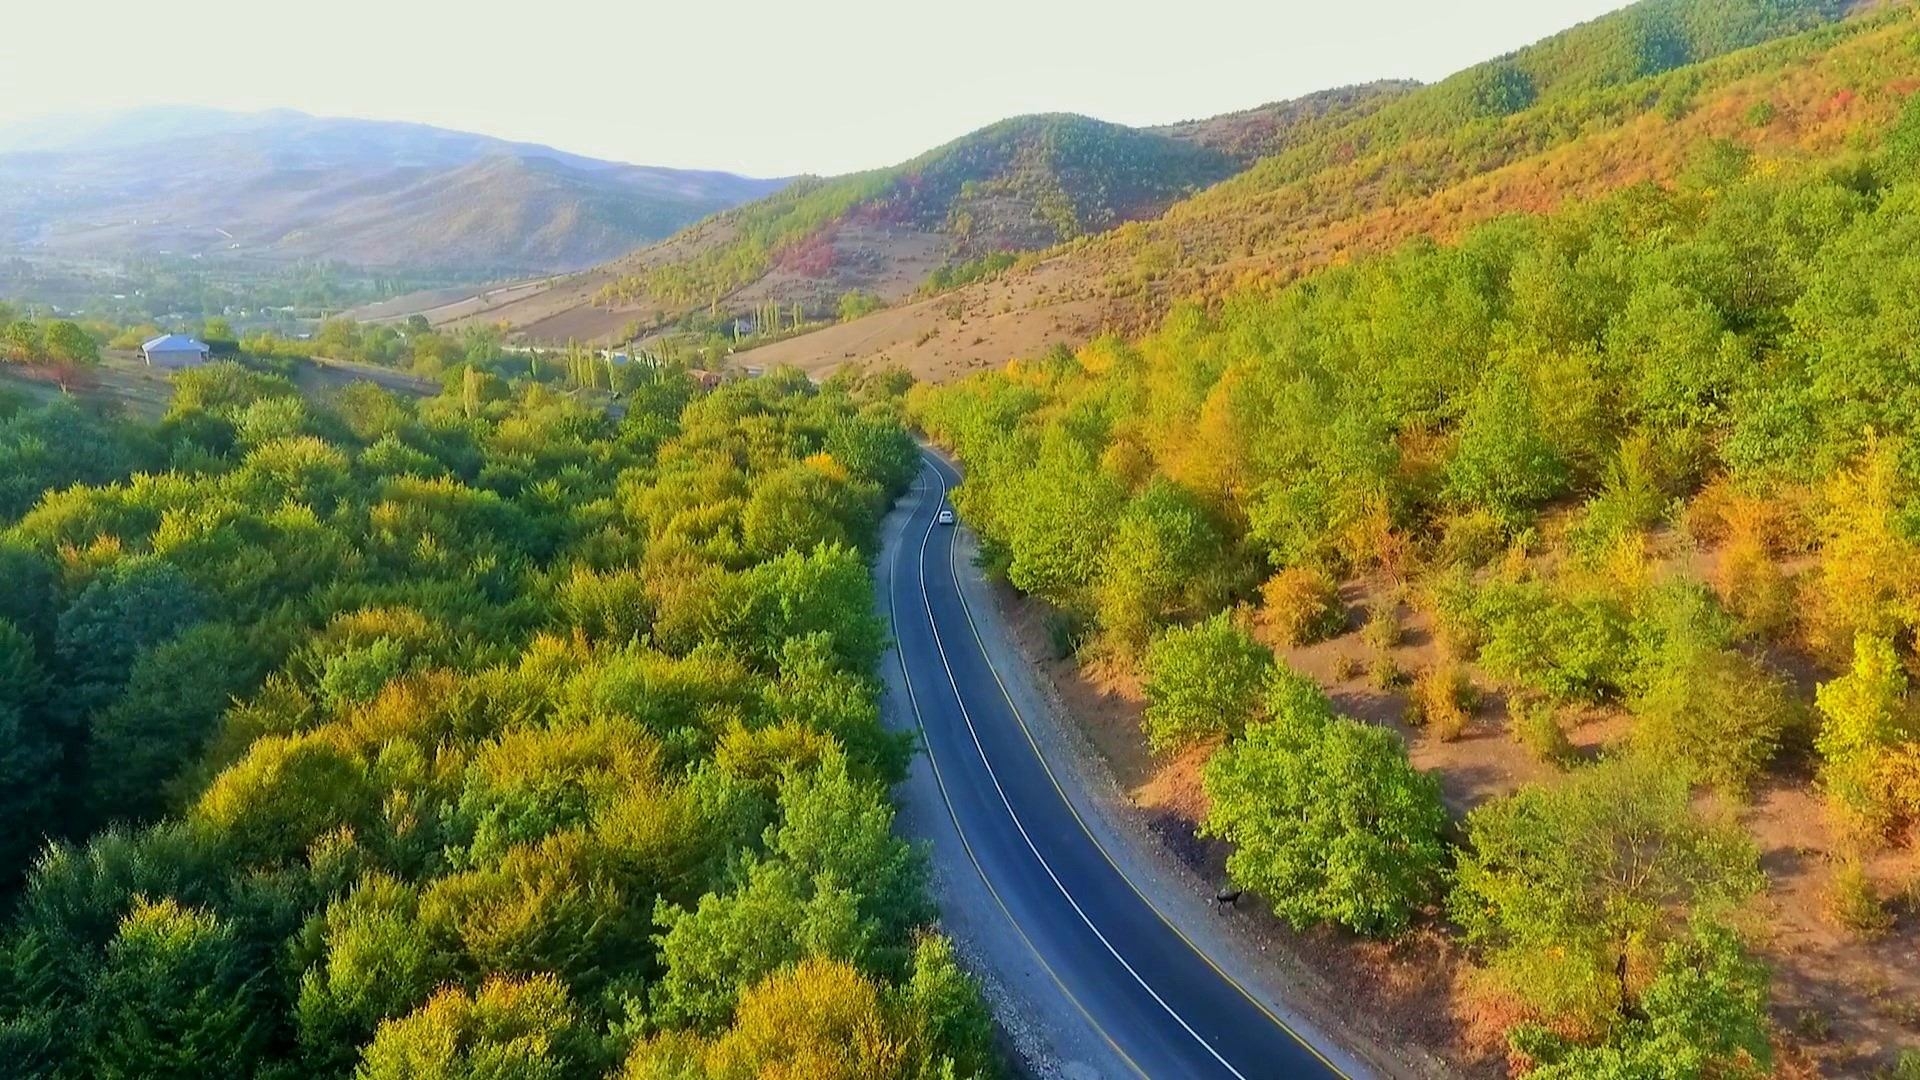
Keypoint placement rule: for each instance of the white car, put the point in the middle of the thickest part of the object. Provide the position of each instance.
(946, 517)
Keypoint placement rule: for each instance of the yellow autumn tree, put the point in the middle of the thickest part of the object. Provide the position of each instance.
(1867, 719)
(1865, 582)
(820, 1020)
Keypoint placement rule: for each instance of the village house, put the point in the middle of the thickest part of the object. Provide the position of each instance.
(174, 351)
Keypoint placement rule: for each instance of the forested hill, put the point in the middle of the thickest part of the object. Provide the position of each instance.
(480, 736)
(1625, 98)
(1025, 183)
(1595, 527)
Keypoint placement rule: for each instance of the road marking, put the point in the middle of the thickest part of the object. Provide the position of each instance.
(1017, 824)
(939, 781)
(954, 572)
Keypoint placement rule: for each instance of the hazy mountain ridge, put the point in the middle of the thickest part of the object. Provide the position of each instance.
(283, 185)
(1019, 185)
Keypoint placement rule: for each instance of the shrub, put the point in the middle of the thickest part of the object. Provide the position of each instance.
(1382, 629)
(1470, 538)
(1329, 821)
(1202, 682)
(1383, 672)
(1696, 698)
(1442, 701)
(1536, 723)
(1301, 604)
(1854, 904)
(1567, 649)
(1450, 596)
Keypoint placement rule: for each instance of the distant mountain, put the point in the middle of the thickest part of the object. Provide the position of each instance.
(1019, 185)
(1641, 95)
(284, 185)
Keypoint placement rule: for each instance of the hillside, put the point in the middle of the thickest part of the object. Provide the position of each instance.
(1628, 98)
(1020, 185)
(1251, 134)
(1539, 603)
(282, 185)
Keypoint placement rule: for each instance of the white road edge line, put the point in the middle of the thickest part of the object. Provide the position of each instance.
(975, 734)
(953, 815)
(953, 572)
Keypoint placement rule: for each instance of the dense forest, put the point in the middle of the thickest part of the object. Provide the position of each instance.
(489, 735)
(1655, 454)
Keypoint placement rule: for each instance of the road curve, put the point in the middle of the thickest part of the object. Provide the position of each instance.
(1162, 1007)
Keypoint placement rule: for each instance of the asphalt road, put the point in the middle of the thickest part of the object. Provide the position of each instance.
(1164, 1009)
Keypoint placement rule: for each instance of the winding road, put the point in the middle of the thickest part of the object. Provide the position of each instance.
(1155, 1001)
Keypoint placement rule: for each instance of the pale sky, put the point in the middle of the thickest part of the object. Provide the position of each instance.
(763, 88)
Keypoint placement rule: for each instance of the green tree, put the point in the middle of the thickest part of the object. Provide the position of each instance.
(1329, 821)
(858, 303)
(1569, 887)
(376, 964)
(1703, 1016)
(525, 1029)
(29, 753)
(175, 997)
(712, 953)
(1166, 557)
(28, 600)
(128, 608)
(67, 344)
(793, 510)
(23, 342)
(1902, 143)
(834, 828)
(1506, 462)
(1056, 523)
(952, 1029)
(1203, 682)
(165, 719)
(826, 590)
(1698, 699)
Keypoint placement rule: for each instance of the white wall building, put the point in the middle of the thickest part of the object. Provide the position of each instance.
(174, 351)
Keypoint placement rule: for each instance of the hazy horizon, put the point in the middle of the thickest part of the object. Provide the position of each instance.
(748, 89)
